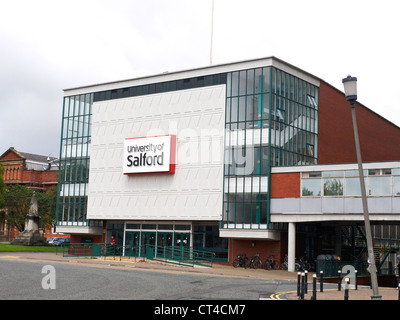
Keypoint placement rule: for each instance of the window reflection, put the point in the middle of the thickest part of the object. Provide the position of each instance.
(311, 187)
(379, 186)
(378, 182)
(353, 187)
(333, 187)
(396, 186)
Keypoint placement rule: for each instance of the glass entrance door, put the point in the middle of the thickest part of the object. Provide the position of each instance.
(182, 245)
(132, 243)
(182, 240)
(148, 244)
(164, 244)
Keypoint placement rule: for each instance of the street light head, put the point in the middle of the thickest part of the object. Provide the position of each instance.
(350, 88)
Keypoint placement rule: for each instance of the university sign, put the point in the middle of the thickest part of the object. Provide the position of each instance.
(149, 155)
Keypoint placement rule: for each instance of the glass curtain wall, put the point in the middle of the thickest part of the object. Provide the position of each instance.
(74, 161)
(271, 120)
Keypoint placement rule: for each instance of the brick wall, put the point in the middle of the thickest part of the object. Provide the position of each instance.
(10, 156)
(379, 138)
(264, 248)
(285, 185)
(16, 174)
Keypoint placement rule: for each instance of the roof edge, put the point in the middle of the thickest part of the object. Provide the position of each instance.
(361, 104)
(13, 150)
(271, 60)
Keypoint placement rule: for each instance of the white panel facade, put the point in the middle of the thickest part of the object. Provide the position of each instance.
(194, 191)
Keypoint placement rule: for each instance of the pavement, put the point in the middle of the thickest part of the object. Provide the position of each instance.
(364, 293)
(330, 291)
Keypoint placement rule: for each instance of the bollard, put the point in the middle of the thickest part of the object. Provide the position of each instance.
(399, 272)
(346, 289)
(398, 289)
(321, 281)
(298, 283)
(355, 280)
(339, 285)
(314, 296)
(306, 282)
(302, 286)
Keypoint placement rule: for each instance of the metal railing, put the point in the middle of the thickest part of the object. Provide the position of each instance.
(168, 254)
(180, 255)
(87, 250)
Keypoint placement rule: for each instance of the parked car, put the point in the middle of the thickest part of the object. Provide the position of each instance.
(51, 240)
(61, 242)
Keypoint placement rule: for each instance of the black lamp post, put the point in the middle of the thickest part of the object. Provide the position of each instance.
(350, 91)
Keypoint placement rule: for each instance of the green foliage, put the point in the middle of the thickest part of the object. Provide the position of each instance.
(47, 203)
(307, 193)
(2, 186)
(17, 202)
(6, 247)
(333, 187)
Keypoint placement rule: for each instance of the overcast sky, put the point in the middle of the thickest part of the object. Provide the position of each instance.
(48, 46)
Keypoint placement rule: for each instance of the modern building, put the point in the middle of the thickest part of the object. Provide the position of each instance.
(231, 158)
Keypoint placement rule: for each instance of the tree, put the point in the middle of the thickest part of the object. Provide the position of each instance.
(2, 186)
(17, 202)
(2, 194)
(47, 202)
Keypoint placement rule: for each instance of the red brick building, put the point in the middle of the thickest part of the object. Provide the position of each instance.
(379, 138)
(37, 172)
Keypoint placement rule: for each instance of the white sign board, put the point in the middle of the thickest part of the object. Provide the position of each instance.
(149, 155)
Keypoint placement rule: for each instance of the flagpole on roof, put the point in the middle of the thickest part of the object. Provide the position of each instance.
(212, 27)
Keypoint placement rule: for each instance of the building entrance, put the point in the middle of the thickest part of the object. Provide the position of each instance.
(161, 240)
(132, 243)
(148, 243)
(182, 245)
(182, 240)
(169, 240)
(164, 244)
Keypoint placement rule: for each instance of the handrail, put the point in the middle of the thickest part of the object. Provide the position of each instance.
(168, 254)
(385, 251)
(180, 255)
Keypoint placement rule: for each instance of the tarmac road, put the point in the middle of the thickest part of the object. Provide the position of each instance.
(89, 279)
(22, 276)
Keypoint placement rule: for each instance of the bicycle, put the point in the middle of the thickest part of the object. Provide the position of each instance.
(303, 264)
(271, 263)
(254, 262)
(240, 261)
(284, 265)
